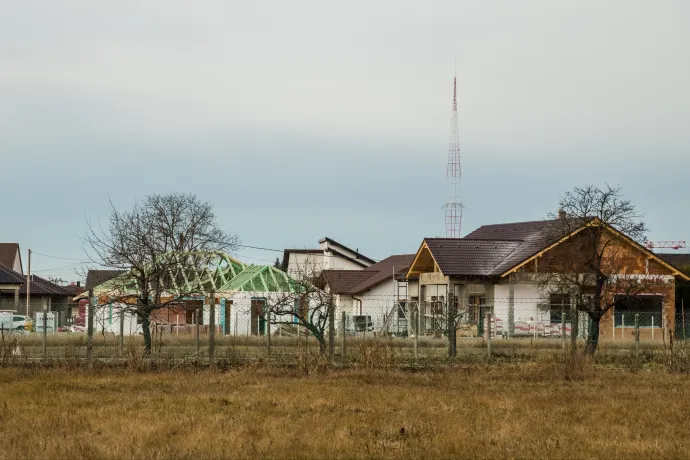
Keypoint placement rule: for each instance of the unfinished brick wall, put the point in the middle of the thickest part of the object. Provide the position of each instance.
(658, 334)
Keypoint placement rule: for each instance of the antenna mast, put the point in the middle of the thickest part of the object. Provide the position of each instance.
(454, 205)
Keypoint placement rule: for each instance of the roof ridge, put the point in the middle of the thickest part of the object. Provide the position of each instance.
(520, 222)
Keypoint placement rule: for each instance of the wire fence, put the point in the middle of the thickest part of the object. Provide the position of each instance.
(403, 332)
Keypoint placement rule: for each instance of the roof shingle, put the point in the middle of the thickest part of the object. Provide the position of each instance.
(9, 276)
(491, 250)
(359, 281)
(95, 278)
(680, 261)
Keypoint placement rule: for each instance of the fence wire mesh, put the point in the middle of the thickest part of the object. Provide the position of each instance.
(402, 330)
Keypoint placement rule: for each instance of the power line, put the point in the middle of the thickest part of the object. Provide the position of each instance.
(58, 268)
(57, 257)
(262, 249)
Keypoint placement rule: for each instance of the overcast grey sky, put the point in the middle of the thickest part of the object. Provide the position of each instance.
(303, 119)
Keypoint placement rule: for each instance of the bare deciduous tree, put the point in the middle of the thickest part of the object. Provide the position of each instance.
(305, 303)
(158, 244)
(594, 263)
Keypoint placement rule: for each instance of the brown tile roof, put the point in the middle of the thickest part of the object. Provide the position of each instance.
(95, 278)
(8, 253)
(680, 261)
(41, 286)
(344, 281)
(491, 250)
(74, 290)
(463, 257)
(9, 276)
(359, 281)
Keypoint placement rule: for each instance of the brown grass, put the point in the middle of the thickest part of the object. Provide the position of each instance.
(499, 411)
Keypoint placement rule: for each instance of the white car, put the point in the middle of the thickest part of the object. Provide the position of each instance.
(21, 323)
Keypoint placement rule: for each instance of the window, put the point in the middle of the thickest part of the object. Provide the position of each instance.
(437, 305)
(648, 307)
(559, 308)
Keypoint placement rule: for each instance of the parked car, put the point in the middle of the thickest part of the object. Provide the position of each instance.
(21, 323)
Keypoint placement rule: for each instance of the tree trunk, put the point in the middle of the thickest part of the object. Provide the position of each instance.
(593, 335)
(146, 329)
(322, 343)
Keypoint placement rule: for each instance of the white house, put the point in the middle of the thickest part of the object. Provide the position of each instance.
(330, 255)
(375, 297)
(496, 269)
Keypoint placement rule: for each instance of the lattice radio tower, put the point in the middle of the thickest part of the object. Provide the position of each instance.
(454, 206)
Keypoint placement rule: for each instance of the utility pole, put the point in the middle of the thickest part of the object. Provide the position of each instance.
(28, 285)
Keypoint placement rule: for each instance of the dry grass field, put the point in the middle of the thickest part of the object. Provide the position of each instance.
(476, 411)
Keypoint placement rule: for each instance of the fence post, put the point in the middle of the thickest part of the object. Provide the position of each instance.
(331, 329)
(197, 320)
(89, 329)
(452, 330)
(342, 337)
(122, 331)
(574, 329)
(268, 329)
(45, 333)
(487, 328)
(563, 328)
(212, 330)
(637, 336)
(419, 328)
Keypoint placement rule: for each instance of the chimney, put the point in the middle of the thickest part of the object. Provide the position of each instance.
(562, 214)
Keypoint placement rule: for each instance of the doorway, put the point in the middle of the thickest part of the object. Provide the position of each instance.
(258, 317)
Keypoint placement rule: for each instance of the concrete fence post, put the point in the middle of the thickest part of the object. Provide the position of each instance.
(45, 334)
(342, 336)
(212, 330)
(563, 329)
(268, 330)
(197, 320)
(487, 330)
(89, 329)
(122, 331)
(637, 336)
